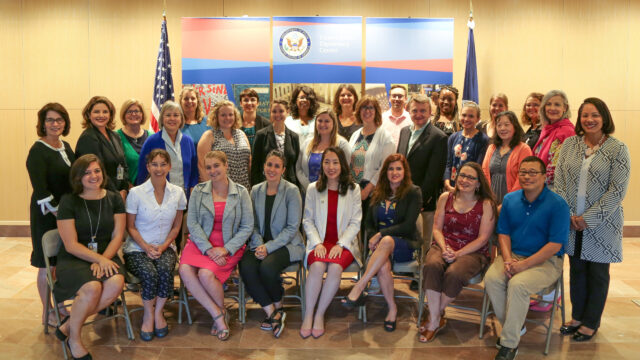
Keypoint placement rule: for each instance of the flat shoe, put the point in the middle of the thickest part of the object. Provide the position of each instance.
(146, 335)
(580, 337)
(569, 329)
(160, 333)
(305, 333)
(316, 333)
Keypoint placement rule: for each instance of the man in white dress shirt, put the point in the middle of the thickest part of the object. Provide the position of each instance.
(394, 119)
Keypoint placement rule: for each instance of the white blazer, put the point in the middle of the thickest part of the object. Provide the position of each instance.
(349, 215)
(381, 146)
(302, 165)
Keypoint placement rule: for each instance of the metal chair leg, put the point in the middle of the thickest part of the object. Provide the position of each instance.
(127, 319)
(485, 312)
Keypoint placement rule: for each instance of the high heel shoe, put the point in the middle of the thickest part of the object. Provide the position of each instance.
(59, 334)
(86, 356)
(351, 304)
(317, 333)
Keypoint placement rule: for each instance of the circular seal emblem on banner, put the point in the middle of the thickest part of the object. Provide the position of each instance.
(295, 43)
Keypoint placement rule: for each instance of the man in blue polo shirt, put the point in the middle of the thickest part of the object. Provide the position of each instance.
(532, 231)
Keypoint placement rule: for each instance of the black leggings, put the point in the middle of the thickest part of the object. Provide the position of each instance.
(262, 277)
(589, 284)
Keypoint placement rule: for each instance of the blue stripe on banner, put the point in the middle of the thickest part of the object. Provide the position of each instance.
(316, 73)
(202, 64)
(385, 75)
(321, 19)
(403, 20)
(220, 76)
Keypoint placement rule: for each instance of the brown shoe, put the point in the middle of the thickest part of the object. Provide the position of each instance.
(429, 335)
(423, 325)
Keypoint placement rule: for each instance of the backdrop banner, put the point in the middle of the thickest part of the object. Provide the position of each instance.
(317, 49)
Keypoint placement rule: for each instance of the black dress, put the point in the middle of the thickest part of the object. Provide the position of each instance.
(73, 272)
(110, 152)
(49, 174)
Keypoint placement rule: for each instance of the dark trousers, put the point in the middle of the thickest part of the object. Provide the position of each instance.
(262, 277)
(589, 284)
(156, 274)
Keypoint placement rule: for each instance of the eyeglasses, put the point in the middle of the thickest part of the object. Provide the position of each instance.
(467, 177)
(133, 112)
(52, 120)
(368, 108)
(530, 172)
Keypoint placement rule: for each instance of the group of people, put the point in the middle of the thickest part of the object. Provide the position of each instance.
(250, 185)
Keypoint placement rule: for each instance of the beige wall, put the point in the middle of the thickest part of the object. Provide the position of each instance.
(68, 51)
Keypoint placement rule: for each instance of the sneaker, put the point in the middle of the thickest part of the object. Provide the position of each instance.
(374, 286)
(506, 353)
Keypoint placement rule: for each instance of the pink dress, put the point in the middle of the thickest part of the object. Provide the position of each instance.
(191, 255)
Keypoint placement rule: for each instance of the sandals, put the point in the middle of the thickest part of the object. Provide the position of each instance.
(389, 326)
(266, 324)
(278, 324)
(351, 304)
(222, 335)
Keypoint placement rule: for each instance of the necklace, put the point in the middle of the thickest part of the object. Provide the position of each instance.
(590, 151)
(91, 233)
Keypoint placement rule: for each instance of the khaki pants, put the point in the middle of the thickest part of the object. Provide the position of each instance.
(510, 297)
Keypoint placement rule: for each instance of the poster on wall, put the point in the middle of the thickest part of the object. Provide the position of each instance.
(226, 51)
(210, 95)
(325, 92)
(263, 97)
(317, 49)
(424, 56)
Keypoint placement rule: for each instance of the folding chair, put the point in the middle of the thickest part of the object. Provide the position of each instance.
(410, 267)
(299, 279)
(51, 242)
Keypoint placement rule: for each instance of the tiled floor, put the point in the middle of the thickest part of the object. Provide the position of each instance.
(21, 335)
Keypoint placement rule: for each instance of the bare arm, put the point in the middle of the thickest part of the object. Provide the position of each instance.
(438, 221)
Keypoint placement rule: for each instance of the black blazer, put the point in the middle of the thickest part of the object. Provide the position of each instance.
(407, 211)
(111, 154)
(260, 123)
(264, 142)
(427, 160)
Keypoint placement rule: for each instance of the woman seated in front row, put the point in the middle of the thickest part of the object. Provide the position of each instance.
(220, 221)
(391, 230)
(462, 226)
(332, 216)
(154, 217)
(91, 222)
(276, 242)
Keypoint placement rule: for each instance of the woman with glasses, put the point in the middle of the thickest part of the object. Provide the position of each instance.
(463, 223)
(132, 134)
(48, 165)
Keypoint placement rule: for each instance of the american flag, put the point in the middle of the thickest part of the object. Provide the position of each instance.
(163, 86)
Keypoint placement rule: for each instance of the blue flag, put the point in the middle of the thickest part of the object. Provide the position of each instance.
(470, 91)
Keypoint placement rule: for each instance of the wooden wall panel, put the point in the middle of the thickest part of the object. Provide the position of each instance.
(14, 182)
(56, 66)
(11, 68)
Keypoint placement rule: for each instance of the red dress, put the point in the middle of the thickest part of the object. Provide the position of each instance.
(191, 255)
(331, 236)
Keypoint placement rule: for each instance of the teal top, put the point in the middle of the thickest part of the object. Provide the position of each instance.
(132, 155)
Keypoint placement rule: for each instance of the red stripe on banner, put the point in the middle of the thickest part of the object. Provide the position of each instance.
(226, 40)
(443, 65)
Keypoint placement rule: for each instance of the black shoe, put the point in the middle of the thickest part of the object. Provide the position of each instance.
(569, 329)
(506, 353)
(59, 334)
(351, 304)
(498, 346)
(87, 356)
(146, 336)
(160, 333)
(389, 326)
(414, 285)
(580, 337)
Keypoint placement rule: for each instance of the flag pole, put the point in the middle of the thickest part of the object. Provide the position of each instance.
(470, 91)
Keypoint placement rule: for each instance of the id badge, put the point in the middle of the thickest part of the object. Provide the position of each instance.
(93, 246)
(120, 173)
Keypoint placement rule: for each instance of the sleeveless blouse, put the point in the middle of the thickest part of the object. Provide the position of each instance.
(461, 229)
(238, 155)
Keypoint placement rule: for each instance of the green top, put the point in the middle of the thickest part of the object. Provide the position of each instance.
(131, 155)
